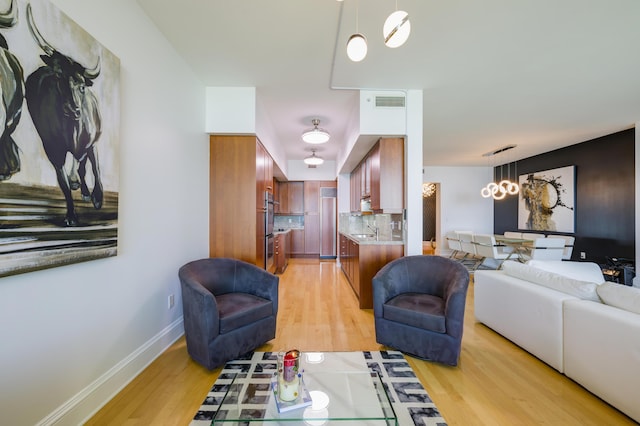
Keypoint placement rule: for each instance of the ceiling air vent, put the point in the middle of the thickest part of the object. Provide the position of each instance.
(390, 101)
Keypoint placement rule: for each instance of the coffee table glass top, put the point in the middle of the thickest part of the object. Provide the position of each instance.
(342, 392)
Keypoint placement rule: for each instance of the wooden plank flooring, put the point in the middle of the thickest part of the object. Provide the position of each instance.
(496, 382)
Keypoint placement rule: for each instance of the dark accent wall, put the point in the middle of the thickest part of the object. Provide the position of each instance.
(429, 217)
(605, 195)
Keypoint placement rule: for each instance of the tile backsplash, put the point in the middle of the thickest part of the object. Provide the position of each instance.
(288, 222)
(389, 225)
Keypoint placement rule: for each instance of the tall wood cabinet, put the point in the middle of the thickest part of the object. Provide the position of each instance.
(240, 171)
(311, 217)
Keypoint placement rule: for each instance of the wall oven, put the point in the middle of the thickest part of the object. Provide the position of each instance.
(268, 230)
(268, 213)
(268, 250)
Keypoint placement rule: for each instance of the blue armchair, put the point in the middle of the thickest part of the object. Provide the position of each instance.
(230, 308)
(418, 307)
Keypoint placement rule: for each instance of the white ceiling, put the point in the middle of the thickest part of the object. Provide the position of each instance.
(541, 74)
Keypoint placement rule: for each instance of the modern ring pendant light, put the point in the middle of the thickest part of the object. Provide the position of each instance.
(505, 187)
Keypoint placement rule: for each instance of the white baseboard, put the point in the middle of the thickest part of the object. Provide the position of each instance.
(82, 406)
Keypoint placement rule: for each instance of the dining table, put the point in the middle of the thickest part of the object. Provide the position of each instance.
(521, 246)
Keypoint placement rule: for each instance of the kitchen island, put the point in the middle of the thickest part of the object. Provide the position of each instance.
(361, 257)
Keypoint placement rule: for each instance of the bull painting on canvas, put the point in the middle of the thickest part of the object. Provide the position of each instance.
(60, 142)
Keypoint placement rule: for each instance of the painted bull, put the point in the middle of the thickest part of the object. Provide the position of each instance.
(11, 95)
(66, 115)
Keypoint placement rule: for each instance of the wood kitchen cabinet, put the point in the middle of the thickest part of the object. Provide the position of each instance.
(380, 177)
(365, 177)
(239, 175)
(291, 198)
(264, 170)
(295, 198)
(283, 198)
(311, 218)
(361, 262)
(303, 198)
(281, 251)
(387, 175)
(297, 242)
(355, 184)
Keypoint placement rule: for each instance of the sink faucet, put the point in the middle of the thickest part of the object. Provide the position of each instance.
(374, 229)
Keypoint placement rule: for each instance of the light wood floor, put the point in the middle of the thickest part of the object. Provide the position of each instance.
(496, 383)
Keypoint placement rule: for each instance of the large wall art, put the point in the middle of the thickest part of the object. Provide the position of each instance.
(547, 200)
(59, 148)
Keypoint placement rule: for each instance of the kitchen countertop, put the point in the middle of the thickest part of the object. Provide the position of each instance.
(284, 231)
(371, 240)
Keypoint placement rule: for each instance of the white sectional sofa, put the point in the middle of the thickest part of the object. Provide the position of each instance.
(555, 311)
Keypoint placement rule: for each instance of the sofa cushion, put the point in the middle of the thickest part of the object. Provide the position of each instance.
(239, 309)
(582, 289)
(620, 296)
(418, 310)
(583, 271)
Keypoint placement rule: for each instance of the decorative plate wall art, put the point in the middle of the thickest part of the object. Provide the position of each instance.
(59, 148)
(547, 200)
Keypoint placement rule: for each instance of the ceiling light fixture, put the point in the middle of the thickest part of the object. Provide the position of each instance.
(428, 189)
(313, 159)
(315, 135)
(505, 187)
(396, 28)
(357, 44)
(357, 47)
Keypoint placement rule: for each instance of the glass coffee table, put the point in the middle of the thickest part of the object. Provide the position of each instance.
(341, 395)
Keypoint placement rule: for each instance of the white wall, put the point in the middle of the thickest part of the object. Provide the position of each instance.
(71, 336)
(461, 205)
(230, 110)
(413, 173)
(382, 120)
(298, 170)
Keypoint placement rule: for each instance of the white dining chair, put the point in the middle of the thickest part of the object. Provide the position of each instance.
(453, 243)
(470, 259)
(547, 249)
(568, 245)
(487, 248)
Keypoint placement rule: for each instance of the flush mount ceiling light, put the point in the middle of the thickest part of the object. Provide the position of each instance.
(396, 29)
(313, 159)
(315, 135)
(357, 44)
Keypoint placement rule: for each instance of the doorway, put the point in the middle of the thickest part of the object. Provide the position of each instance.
(429, 217)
